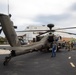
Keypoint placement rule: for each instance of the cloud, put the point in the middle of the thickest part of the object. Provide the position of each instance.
(65, 19)
(25, 12)
(37, 7)
(3, 8)
(41, 12)
(73, 7)
(52, 18)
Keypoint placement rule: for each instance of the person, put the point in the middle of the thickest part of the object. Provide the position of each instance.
(54, 49)
(72, 45)
(68, 45)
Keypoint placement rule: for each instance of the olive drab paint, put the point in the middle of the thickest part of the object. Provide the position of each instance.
(9, 30)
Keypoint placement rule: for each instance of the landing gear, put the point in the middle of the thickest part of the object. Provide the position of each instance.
(7, 59)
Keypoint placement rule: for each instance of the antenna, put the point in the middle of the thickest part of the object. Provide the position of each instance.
(8, 7)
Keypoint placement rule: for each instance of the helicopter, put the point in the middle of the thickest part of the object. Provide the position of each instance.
(16, 48)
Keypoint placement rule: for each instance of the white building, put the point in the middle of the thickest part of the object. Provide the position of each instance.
(32, 35)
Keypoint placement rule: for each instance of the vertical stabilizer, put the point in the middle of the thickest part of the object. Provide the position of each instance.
(9, 30)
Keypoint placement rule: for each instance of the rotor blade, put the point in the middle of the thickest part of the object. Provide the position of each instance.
(31, 30)
(36, 30)
(43, 33)
(65, 28)
(47, 32)
(66, 32)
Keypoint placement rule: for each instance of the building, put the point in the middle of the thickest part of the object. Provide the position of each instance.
(30, 36)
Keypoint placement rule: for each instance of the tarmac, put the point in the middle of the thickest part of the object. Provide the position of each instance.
(40, 63)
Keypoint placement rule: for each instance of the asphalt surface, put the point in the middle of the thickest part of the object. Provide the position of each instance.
(38, 63)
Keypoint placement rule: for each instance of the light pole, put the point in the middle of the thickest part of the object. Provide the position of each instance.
(8, 6)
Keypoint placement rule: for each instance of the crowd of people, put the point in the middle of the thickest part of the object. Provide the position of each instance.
(69, 45)
(64, 45)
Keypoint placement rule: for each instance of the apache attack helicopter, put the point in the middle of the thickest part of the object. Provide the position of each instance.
(16, 48)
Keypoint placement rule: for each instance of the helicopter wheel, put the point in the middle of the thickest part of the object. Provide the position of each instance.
(7, 59)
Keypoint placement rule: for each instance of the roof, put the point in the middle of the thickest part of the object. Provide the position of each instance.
(21, 34)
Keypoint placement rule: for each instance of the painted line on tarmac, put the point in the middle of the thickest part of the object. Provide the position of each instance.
(72, 64)
(69, 57)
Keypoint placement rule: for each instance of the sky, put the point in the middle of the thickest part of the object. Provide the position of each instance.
(61, 13)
